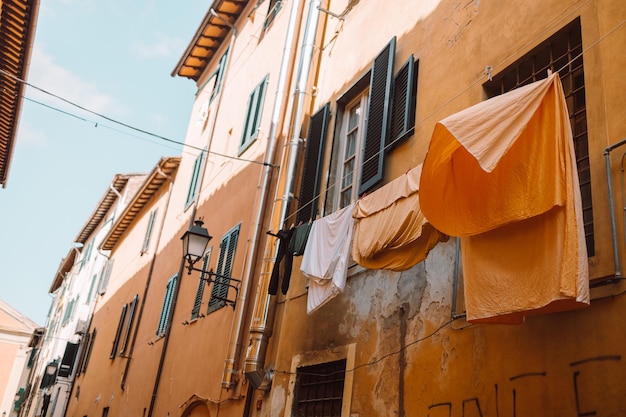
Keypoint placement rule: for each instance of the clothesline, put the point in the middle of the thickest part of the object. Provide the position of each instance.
(476, 81)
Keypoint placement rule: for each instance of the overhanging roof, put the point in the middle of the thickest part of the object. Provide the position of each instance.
(17, 31)
(106, 202)
(209, 37)
(150, 187)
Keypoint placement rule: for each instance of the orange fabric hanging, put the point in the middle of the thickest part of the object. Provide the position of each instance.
(502, 175)
(390, 230)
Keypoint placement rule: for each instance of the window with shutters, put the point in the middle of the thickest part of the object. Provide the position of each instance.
(88, 343)
(167, 306)
(562, 52)
(118, 332)
(128, 326)
(194, 184)
(195, 311)
(67, 362)
(146, 239)
(221, 285)
(104, 276)
(351, 146)
(253, 116)
(372, 117)
(94, 279)
(273, 9)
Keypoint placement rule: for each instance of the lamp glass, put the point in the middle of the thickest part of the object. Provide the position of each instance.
(195, 242)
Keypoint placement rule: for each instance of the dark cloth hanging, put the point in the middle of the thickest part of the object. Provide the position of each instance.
(284, 255)
(300, 237)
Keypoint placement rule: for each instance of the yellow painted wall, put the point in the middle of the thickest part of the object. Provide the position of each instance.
(411, 357)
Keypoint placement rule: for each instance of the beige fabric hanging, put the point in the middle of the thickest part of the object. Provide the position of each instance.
(502, 175)
(390, 230)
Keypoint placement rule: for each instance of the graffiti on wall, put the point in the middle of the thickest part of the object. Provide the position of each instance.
(517, 397)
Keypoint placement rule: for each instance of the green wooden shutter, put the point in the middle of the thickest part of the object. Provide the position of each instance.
(195, 179)
(378, 117)
(195, 312)
(167, 306)
(91, 341)
(104, 276)
(313, 160)
(118, 333)
(403, 108)
(146, 239)
(219, 292)
(253, 115)
(129, 324)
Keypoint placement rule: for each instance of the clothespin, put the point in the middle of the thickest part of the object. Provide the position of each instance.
(487, 72)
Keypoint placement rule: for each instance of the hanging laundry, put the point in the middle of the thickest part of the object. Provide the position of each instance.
(299, 239)
(326, 256)
(390, 230)
(283, 256)
(502, 175)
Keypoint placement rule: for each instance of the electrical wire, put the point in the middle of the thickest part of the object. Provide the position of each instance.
(112, 120)
(375, 361)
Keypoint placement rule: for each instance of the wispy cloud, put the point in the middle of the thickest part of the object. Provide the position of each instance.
(47, 74)
(162, 47)
(31, 137)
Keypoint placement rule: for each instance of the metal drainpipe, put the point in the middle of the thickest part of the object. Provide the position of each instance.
(607, 159)
(181, 269)
(264, 308)
(287, 62)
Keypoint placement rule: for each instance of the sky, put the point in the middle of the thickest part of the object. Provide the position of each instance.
(112, 57)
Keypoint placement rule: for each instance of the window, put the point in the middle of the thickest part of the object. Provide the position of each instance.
(373, 116)
(322, 382)
(128, 325)
(253, 116)
(86, 354)
(195, 312)
(91, 288)
(69, 310)
(192, 193)
(319, 390)
(118, 333)
(86, 254)
(562, 53)
(219, 292)
(167, 306)
(353, 130)
(104, 276)
(211, 88)
(146, 239)
(272, 11)
(69, 357)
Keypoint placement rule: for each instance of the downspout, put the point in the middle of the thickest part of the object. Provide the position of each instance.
(265, 306)
(287, 62)
(181, 269)
(149, 279)
(607, 159)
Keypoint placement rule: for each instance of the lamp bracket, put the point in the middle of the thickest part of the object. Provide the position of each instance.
(208, 277)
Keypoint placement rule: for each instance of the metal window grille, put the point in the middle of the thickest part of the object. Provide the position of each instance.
(319, 390)
(561, 52)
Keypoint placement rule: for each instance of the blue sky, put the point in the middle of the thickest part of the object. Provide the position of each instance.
(114, 57)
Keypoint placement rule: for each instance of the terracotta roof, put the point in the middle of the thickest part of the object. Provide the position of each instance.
(17, 31)
(154, 181)
(208, 38)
